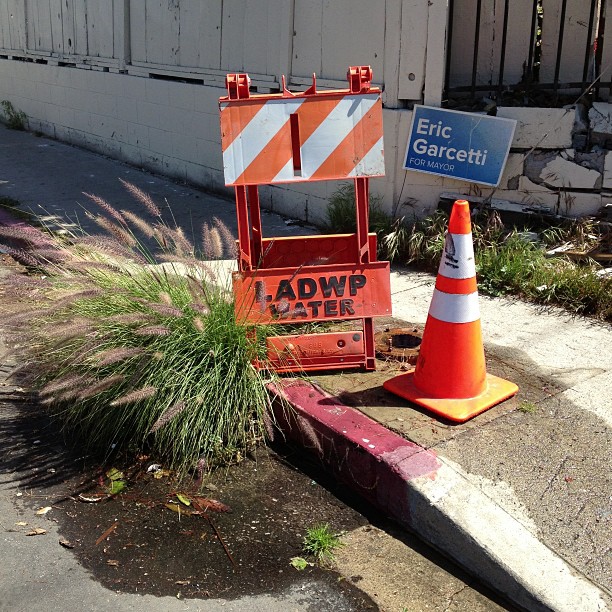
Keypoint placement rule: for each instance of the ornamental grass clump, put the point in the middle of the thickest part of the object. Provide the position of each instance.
(130, 337)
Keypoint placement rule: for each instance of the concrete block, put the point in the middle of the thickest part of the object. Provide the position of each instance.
(579, 204)
(106, 104)
(67, 117)
(131, 154)
(544, 128)
(138, 135)
(134, 87)
(206, 98)
(81, 99)
(202, 125)
(150, 114)
(563, 173)
(182, 96)
(160, 141)
(58, 95)
(607, 174)
(184, 147)
(158, 91)
(126, 109)
(193, 172)
(544, 201)
(208, 154)
(536, 195)
(600, 116)
(82, 120)
(512, 170)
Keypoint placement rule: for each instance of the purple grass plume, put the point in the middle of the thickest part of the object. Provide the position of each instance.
(167, 415)
(133, 397)
(142, 197)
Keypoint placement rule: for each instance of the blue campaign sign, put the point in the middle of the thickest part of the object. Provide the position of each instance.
(465, 146)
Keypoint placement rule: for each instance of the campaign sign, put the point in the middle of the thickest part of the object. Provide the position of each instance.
(464, 146)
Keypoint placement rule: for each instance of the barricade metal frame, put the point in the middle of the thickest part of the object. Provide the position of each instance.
(277, 275)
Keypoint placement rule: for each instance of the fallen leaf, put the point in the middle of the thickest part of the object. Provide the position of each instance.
(113, 562)
(21, 524)
(65, 543)
(183, 499)
(43, 510)
(299, 563)
(91, 500)
(115, 474)
(180, 509)
(206, 503)
(117, 486)
(182, 582)
(36, 531)
(161, 474)
(106, 533)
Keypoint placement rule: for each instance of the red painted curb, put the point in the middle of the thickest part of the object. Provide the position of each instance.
(375, 462)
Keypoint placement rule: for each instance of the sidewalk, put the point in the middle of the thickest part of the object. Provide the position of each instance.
(520, 499)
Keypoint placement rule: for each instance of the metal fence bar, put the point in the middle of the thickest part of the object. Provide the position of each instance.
(532, 41)
(449, 43)
(500, 84)
(593, 12)
(600, 45)
(559, 48)
(589, 43)
(476, 42)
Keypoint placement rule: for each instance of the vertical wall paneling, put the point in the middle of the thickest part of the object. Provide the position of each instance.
(307, 39)
(331, 36)
(232, 41)
(138, 30)
(121, 32)
(81, 44)
(392, 55)
(5, 35)
(436, 52)
(413, 49)
(57, 30)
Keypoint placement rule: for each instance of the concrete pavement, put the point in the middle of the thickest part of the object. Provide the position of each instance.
(519, 496)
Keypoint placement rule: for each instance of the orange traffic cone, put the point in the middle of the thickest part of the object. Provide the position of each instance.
(450, 377)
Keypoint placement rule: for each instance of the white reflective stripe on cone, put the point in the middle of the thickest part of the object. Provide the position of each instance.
(454, 307)
(458, 257)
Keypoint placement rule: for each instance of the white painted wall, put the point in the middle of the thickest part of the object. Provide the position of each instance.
(94, 86)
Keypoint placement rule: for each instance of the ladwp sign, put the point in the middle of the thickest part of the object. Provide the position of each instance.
(465, 146)
(342, 291)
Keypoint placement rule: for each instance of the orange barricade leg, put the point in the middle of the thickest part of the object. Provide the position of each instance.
(450, 377)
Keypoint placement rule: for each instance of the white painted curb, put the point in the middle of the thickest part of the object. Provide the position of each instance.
(459, 519)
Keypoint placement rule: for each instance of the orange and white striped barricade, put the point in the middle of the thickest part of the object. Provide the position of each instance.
(308, 136)
(450, 377)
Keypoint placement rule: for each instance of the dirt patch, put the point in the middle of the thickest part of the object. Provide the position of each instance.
(245, 551)
(134, 542)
